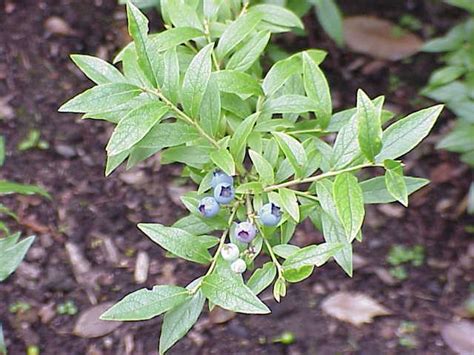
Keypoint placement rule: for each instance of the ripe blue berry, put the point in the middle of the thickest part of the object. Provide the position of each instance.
(208, 207)
(238, 266)
(270, 214)
(230, 252)
(219, 177)
(224, 193)
(245, 232)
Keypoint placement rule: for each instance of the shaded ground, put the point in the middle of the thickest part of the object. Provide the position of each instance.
(98, 215)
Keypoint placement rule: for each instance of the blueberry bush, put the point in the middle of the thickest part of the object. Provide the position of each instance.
(453, 84)
(263, 146)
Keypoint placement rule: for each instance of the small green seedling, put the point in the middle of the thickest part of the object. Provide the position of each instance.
(68, 308)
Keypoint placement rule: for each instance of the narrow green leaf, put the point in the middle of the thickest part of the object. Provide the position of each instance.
(232, 294)
(278, 15)
(316, 255)
(138, 29)
(179, 320)
(246, 56)
(407, 133)
(210, 117)
(349, 203)
(375, 190)
(195, 81)
(146, 304)
(171, 83)
(262, 278)
(236, 32)
(98, 70)
(224, 160)
(263, 167)
(395, 182)
(330, 18)
(179, 242)
(238, 141)
(293, 150)
(8, 187)
(317, 89)
(289, 203)
(2, 150)
(134, 126)
(369, 126)
(101, 98)
(183, 14)
(285, 250)
(12, 255)
(235, 82)
(289, 104)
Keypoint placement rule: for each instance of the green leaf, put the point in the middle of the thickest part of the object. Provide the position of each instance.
(330, 18)
(10, 241)
(293, 150)
(289, 203)
(278, 15)
(236, 32)
(172, 38)
(197, 225)
(210, 117)
(145, 304)
(134, 126)
(238, 141)
(98, 70)
(263, 167)
(8, 187)
(171, 83)
(289, 104)
(138, 29)
(317, 89)
(369, 126)
(407, 133)
(235, 82)
(224, 160)
(179, 320)
(161, 136)
(196, 80)
(183, 14)
(101, 98)
(349, 203)
(262, 278)
(333, 231)
(12, 255)
(232, 294)
(114, 161)
(395, 182)
(250, 52)
(195, 156)
(285, 250)
(375, 190)
(179, 242)
(445, 75)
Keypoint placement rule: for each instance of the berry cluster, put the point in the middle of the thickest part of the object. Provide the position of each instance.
(245, 232)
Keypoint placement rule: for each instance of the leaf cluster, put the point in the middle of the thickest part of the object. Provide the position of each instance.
(198, 94)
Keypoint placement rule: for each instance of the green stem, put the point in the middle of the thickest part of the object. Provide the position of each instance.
(273, 256)
(207, 34)
(306, 194)
(319, 177)
(183, 116)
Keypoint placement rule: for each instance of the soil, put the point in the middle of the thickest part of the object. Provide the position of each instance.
(97, 215)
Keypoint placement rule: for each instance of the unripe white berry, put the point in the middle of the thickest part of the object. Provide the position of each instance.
(230, 252)
(238, 266)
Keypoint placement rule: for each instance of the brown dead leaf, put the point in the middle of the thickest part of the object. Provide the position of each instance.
(459, 337)
(379, 38)
(58, 26)
(89, 325)
(221, 316)
(355, 308)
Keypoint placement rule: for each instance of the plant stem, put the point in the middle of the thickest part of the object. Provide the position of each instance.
(207, 34)
(319, 177)
(306, 194)
(183, 116)
(273, 256)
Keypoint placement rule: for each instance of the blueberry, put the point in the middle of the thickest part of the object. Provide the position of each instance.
(238, 266)
(224, 193)
(245, 232)
(230, 252)
(208, 207)
(270, 214)
(219, 177)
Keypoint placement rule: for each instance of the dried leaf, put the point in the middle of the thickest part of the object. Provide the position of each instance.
(89, 325)
(56, 25)
(379, 38)
(459, 337)
(355, 308)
